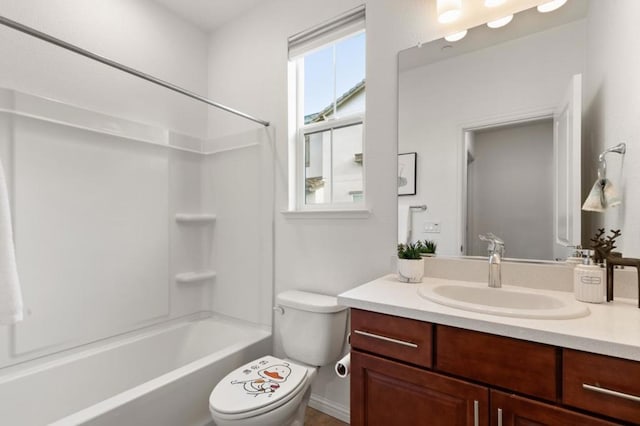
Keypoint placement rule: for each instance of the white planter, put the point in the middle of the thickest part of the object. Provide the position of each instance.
(410, 270)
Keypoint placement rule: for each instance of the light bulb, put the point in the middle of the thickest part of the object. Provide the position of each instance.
(493, 3)
(551, 6)
(457, 36)
(448, 10)
(500, 22)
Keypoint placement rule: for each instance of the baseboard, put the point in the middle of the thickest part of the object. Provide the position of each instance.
(330, 408)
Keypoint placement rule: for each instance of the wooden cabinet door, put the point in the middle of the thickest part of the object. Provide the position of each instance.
(513, 410)
(388, 393)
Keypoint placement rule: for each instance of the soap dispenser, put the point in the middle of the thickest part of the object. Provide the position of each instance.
(576, 256)
(588, 280)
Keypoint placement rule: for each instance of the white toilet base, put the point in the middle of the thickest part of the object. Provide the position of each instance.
(298, 419)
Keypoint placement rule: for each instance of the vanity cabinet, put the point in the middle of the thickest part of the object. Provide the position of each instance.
(408, 372)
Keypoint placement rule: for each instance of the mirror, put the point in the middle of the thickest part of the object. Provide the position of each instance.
(495, 121)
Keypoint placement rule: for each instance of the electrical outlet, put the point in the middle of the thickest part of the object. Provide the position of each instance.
(431, 227)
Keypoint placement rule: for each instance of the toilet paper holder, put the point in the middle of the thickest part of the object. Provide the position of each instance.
(343, 367)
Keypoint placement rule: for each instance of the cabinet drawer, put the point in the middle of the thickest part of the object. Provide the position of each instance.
(602, 384)
(518, 365)
(400, 338)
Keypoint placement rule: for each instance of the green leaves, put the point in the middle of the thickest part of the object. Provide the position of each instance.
(409, 251)
(428, 246)
(413, 250)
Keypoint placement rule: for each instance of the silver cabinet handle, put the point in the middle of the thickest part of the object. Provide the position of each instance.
(499, 416)
(386, 339)
(476, 413)
(611, 392)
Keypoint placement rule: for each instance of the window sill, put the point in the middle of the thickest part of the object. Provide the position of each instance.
(327, 214)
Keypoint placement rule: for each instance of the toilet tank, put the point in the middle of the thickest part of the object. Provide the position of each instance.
(312, 326)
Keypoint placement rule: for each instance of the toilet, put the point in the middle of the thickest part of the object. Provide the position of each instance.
(274, 392)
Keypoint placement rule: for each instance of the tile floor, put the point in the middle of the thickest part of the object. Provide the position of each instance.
(316, 418)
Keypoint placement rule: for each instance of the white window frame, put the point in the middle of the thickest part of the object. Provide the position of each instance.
(298, 130)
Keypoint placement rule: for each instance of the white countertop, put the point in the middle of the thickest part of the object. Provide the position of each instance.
(611, 329)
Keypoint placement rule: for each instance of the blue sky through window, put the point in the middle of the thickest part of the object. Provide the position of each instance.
(319, 76)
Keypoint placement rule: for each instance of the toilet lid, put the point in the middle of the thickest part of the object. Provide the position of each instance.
(258, 384)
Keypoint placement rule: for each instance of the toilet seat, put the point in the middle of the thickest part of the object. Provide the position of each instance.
(257, 387)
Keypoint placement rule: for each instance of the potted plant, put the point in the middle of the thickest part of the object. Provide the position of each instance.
(410, 263)
(428, 248)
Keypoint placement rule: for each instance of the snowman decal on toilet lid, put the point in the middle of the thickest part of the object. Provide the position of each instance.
(257, 386)
(269, 380)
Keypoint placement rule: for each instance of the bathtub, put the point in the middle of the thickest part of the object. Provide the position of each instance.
(159, 376)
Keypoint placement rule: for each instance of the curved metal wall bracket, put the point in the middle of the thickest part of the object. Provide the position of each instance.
(621, 148)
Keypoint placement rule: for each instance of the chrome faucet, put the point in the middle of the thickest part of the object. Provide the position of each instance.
(496, 252)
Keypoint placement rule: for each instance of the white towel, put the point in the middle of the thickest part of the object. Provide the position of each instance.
(10, 293)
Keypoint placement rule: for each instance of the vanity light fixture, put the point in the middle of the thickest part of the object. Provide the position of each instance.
(456, 36)
(551, 6)
(448, 10)
(500, 22)
(493, 3)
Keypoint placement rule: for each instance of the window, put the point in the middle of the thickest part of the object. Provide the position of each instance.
(328, 67)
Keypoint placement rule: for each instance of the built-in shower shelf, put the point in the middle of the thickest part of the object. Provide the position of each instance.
(193, 277)
(195, 218)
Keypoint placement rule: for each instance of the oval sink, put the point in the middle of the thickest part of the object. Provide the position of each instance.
(509, 301)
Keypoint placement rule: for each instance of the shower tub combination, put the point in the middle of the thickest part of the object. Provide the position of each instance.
(159, 376)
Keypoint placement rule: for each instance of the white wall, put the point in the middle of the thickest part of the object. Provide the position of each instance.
(438, 100)
(248, 62)
(96, 241)
(510, 190)
(140, 34)
(612, 101)
(248, 70)
(248, 66)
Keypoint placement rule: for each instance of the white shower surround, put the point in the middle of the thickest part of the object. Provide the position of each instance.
(120, 160)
